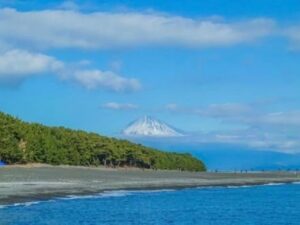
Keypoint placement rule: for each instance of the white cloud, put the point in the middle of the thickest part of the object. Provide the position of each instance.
(226, 110)
(172, 107)
(262, 130)
(70, 29)
(18, 64)
(119, 106)
(286, 119)
(293, 33)
(260, 139)
(93, 79)
(247, 114)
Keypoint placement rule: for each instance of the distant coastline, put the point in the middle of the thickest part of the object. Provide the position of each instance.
(34, 182)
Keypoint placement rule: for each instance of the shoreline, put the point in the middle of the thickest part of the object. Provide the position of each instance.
(23, 185)
(35, 199)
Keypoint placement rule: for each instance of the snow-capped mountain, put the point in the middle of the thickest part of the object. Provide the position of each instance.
(150, 127)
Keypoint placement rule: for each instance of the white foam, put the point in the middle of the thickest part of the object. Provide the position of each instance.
(241, 186)
(207, 187)
(274, 184)
(150, 191)
(24, 204)
(105, 194)
(297, 182)
(99, 195)
(108, 194)
(257, 185)
(113, 194)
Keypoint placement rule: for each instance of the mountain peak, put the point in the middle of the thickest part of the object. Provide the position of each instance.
(148, 126)
(147, 118)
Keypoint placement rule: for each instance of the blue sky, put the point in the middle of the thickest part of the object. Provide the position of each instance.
(223, 71)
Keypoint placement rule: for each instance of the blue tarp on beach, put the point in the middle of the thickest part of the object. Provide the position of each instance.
(2, 163)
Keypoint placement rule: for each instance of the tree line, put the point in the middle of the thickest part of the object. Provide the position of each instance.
(22, 143)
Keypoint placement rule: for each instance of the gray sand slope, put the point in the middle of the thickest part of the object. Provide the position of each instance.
(27, 184)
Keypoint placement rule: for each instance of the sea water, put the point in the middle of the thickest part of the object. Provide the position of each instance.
(248, 205)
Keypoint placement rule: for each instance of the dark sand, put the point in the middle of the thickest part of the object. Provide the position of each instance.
(23, 184)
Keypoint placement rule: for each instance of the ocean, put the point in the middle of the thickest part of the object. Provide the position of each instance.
(273, 204)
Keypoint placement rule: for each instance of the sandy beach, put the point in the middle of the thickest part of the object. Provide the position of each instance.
(31, 183)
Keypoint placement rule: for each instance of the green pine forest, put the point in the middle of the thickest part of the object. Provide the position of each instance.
(22, 143)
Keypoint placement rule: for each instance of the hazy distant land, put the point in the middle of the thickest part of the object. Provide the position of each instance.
(22, 184)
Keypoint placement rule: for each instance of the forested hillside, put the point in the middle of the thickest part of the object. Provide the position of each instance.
(22, 143)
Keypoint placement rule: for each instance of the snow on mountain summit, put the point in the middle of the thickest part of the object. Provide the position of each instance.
(148, 126)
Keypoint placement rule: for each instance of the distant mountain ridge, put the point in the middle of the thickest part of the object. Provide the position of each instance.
(148, 126)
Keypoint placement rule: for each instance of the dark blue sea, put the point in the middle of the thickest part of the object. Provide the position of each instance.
(256, 205)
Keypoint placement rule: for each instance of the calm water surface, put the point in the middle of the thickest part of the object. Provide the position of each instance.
(259, 205)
